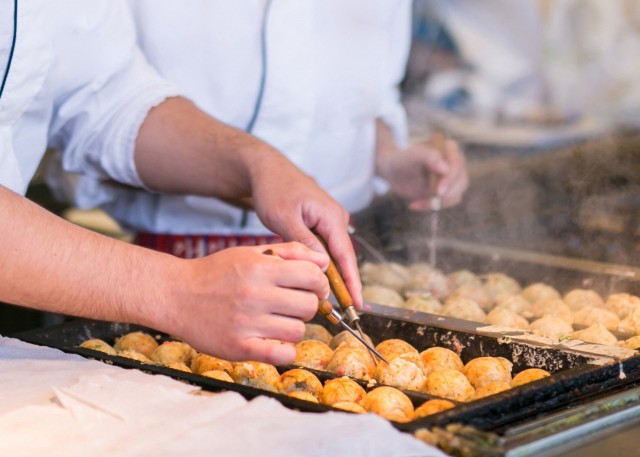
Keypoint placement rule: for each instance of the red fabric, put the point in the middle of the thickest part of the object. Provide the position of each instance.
(194, 246)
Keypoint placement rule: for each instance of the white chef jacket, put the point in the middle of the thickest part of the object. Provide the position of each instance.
(333, 67)
(78, 82)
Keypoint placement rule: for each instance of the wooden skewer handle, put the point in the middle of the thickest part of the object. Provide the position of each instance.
(325, 308)
(439, 142)
(337, 284)
(338, 287)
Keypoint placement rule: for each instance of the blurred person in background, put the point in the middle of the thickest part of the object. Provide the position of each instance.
(317, 80)
(538, 62)
(74, 79)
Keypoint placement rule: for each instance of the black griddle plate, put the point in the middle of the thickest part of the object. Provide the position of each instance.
(575, 376)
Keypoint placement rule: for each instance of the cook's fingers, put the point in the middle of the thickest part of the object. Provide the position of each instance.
(299, 275)
(276, 327)
(298, 251)
(298, 304)
(266, 351)
(457, 174)
(341, 249)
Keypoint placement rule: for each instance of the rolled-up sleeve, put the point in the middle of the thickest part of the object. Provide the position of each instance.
(97, 118)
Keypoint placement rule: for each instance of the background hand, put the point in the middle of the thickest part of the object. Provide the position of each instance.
(409, 171)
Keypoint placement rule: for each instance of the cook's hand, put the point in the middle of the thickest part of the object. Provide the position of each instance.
(233, 302)
(409, 171)
(181, 150)
(409, 174)
(293, 204)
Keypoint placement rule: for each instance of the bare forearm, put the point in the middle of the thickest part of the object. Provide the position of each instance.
(182, 150)
(51, 265)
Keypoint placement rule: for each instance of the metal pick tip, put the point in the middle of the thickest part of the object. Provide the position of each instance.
(372, 351)
(436, 203)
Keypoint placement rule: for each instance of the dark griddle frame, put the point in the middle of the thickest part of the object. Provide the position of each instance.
(575, 377)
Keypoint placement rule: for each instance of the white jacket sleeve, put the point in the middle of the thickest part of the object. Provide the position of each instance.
(392, 111)
(96, 120)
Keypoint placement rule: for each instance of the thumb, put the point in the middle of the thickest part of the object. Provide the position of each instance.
(302, 234)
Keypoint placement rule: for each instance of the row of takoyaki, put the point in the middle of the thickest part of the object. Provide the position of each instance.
(436, 371)
(498, 299)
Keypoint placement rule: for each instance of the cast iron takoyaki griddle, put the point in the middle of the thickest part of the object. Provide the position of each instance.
(574, 376)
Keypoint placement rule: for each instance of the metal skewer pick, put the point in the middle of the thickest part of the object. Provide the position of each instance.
(439, 143)
(326, 309)
(341, 292)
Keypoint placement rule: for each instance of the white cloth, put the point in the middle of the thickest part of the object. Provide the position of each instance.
(332, 68)
(77, 82)
(57, 404)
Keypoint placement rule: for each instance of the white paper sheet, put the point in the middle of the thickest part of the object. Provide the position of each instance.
(57, 404)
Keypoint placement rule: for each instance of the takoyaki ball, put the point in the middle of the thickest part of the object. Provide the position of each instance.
(438, 358)
(423, 303)
(220, 375)
(551, 327)
(299, 379)
(483, 370)
(540, 291)
(134, 355)
(475, 293)
(449, 384)
(432, 407)
(631, 343)
(500, 286)
(552, 307)
(390, 275)
(96, 344)
(349, 406)
(427, 279)
(463, 308)
(303, 395)
(631, 322)
(516, 303)
(403, 371)
(580, 298)
(622, 304)
(507, 364)
(462, 278)
(313, 354)
(382, 296)
(393, 347)
(256, 374)
(342, 390)
(316, 332)
(173, 351)
(389, 403)
(203, 362)
(504, 317)
(347, 338)
(137, 341)
(491, 388)
(420, 268)
(589, 315)
(597, 334)
(353, 361)
(528, 375)
(181, 366)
